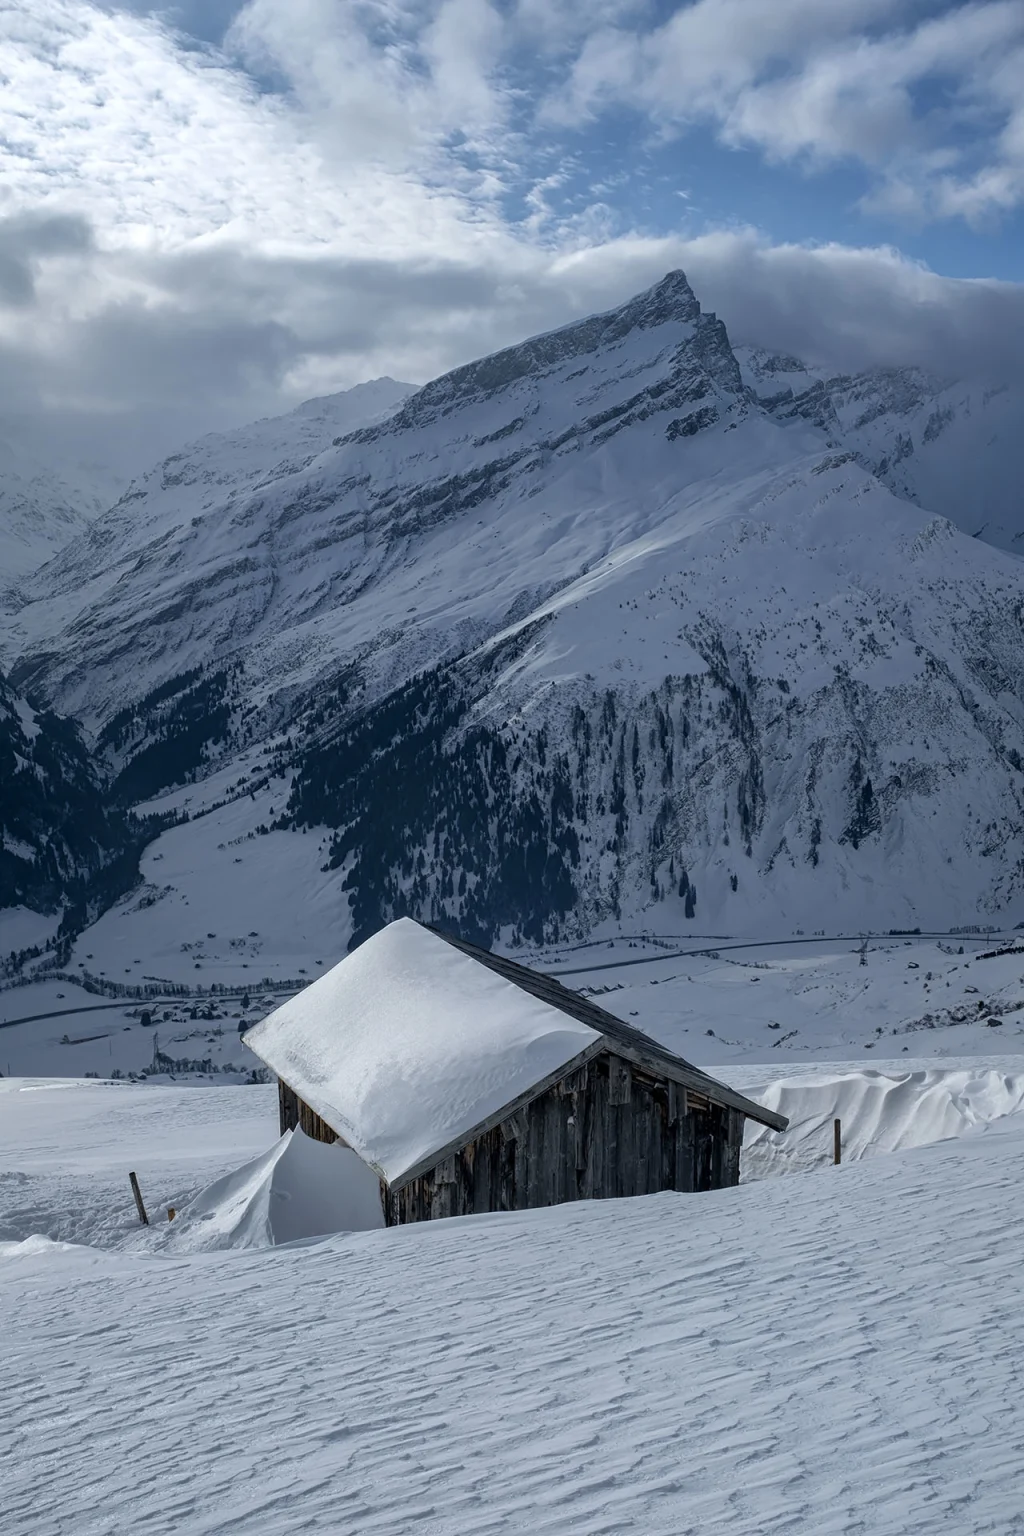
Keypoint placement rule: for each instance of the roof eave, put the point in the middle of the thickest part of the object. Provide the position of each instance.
(326, 1114)
(710, 1087)
(620, 1037)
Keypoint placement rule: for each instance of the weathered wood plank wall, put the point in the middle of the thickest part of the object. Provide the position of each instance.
(608, 1129)
(611, 1128)
(295, 1112)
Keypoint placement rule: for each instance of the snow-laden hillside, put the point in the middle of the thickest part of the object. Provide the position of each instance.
(413, 539)
(798, 695)
(208, 475)
(953, 447)
(605, 628)
(43, 506)
(219, 469)
(825, 1353)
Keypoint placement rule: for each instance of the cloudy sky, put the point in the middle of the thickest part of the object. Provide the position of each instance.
(211, 210)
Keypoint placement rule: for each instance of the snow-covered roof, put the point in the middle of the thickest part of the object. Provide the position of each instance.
(409, 1042)
(415, 1039)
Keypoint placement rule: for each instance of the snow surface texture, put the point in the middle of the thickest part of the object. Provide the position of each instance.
(408, 1043)
(816, 1355)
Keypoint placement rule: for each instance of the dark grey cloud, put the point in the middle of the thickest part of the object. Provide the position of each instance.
(862, 308)
(254, 247)
(26, 239)
(175, 345)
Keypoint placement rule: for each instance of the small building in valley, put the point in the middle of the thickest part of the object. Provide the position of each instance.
(469, 1083)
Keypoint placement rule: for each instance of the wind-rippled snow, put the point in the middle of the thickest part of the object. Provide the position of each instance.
(833, 1352)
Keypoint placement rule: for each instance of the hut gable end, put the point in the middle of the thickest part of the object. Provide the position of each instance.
(605, 1129)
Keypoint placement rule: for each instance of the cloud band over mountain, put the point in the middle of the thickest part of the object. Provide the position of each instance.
(196, 231)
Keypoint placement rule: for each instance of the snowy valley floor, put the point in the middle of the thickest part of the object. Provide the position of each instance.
(806, 1000)
(834, 1351)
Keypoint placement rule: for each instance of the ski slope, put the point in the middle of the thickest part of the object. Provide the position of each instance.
(826, 1353)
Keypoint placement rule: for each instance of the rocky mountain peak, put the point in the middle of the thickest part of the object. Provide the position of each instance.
(671, 301)
(671, 298)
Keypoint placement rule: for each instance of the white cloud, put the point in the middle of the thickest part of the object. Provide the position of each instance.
(933, 105)
(387, 83)
(185, 244)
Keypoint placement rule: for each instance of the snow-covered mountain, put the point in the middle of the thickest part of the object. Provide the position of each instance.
(217, 470)
(411, 539)
(43, 506)
(614, 623)
(205, 476)
(953, 447)
(798, 695)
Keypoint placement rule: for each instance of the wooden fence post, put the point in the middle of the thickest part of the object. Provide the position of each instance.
(136, 1191)
(837, 1142)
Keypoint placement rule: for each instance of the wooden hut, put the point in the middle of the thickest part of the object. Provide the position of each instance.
(469, 1083)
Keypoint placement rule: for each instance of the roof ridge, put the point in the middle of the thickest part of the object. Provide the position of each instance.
(548, 989)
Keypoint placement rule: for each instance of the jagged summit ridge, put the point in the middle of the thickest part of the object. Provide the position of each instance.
(670, 302)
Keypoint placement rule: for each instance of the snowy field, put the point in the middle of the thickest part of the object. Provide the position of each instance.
(828, 1352)
(778, 1003)
(917, 996)
(66, 1148)
(219, 901)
